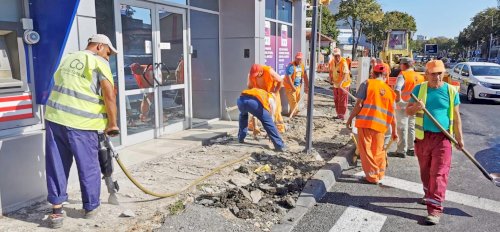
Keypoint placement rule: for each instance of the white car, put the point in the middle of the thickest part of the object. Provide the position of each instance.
(478, 80)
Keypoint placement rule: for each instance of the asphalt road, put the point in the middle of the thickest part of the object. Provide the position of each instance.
(473, 204)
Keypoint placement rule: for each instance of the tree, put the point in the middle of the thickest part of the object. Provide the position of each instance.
(328, 22)
(375, 31)
(357, 14)
(478, 31)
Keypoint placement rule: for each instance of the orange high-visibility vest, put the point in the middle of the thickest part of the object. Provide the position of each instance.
(377, 112)
(339, 74)
(420, 79)
(268, 80)
(349, 62)
(261, 95)
(411, 78)
(294, 74)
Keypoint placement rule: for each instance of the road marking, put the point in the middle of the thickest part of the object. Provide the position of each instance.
(460, 198)
(356, 219)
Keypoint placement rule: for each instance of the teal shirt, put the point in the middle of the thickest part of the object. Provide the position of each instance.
(437, 104)
(298, 77)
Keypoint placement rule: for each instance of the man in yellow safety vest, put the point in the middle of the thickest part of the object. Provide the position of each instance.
(81, 103)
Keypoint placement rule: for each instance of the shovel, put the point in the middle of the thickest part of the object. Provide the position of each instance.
(494, 177)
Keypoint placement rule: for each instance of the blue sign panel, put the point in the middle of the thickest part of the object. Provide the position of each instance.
(52, 19)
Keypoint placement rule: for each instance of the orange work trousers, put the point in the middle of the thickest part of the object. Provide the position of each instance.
(372, 153)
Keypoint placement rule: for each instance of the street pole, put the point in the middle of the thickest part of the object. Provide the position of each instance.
(491, 39)
(312, 74)
(319, 34)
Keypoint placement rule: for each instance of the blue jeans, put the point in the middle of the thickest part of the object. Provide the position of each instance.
(248, 104)
(62, 143)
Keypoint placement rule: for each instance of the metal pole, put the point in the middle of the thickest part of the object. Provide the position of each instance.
(319, 34)
(312, 75)
(491, 39)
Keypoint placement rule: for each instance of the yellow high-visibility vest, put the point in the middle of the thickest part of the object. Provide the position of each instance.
(76, 100)
(419, 118)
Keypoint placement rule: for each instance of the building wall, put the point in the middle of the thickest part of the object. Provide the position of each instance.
(241, 29)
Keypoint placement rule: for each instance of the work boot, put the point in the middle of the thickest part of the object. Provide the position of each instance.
(281, 149)
(410, 153)
(432, 219)
(402, 154)
(56, 218)
(91, 214)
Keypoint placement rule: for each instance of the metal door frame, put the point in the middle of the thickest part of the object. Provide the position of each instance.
(159, 128)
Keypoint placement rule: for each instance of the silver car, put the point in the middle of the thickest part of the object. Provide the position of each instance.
(478, 80)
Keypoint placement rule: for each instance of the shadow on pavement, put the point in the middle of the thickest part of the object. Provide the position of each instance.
(372, 203)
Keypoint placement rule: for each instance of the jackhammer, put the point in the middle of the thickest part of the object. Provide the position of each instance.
(106, 155)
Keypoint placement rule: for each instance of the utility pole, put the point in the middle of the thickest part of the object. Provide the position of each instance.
(319, 34)
(491, 38)
(312, 74)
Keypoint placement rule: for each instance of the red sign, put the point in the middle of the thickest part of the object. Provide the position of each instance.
(16, 107)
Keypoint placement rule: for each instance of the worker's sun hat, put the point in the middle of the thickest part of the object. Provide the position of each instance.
(255, 69)
(435, 66)
(380, 68)
(405, 60)
(336, 51)
(299, 55)
(100, 38)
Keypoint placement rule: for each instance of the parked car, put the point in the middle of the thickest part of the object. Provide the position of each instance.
(478, 80)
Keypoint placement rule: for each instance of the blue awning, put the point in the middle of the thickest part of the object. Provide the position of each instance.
(52, 19)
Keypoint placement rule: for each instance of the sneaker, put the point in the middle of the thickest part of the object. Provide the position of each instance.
(422, 201)
(410, 153)
(281, 149)
(56, 220)
(432, 219)
(91, 214)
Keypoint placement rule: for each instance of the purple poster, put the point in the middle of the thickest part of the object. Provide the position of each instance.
(270, 46)
(284, 49)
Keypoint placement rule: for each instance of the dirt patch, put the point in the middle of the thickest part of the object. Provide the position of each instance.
(240, 195)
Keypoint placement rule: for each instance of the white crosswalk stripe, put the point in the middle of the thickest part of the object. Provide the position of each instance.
(460, 198)
(359, 220)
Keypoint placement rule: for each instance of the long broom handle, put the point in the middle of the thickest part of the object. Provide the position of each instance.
(478, 165)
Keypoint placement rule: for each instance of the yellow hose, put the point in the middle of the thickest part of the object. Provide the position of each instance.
(194, 183)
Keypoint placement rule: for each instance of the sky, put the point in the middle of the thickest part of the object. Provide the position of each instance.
(439, 17)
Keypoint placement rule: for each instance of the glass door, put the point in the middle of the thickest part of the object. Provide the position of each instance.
(151, 68)
(172, 69)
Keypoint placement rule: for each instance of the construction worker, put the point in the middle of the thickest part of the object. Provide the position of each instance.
(264, 77)
(349, 62)
(260, 104)
(340, 77)
(432, 147)
(81, 103)
(380, 61)
(295, 76)
(374, 112)
(406, 81)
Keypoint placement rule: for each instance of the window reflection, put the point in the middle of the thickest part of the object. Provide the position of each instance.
(137, 47)
(173, 106)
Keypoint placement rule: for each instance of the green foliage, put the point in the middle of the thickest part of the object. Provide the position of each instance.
(328, 22)
(358, 14)
(478, 31)
(375, 31)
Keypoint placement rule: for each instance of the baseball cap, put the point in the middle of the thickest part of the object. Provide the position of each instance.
(255, 69)
(405, 60)
(380, 68)
(100, 38)
(435, 66)
(336, 51)
(299, 55)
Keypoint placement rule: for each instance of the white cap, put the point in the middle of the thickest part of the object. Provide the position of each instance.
(100, 38)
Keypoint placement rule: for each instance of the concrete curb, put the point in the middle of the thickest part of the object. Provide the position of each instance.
(316, 188)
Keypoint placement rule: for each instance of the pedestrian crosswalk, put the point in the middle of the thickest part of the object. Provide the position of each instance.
(355, 219)
(460, 198)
